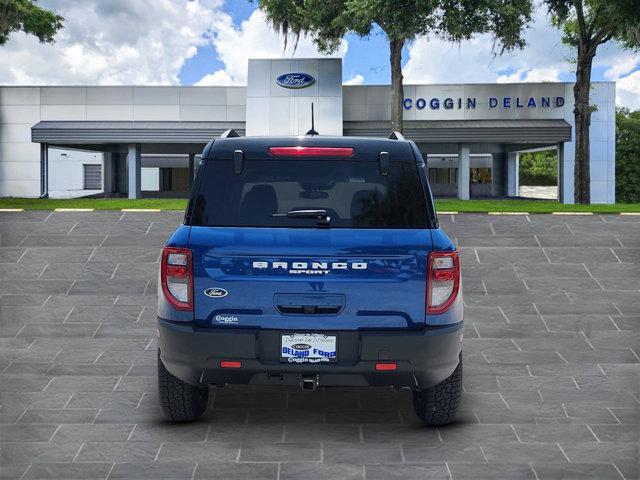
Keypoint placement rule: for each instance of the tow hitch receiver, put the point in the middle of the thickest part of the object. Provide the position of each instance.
(308, 382)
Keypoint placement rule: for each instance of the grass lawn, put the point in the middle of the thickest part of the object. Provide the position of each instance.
(95, 203)
(443, 205)
(531, 206)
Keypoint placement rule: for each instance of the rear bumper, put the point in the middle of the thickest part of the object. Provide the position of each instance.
(424, 357)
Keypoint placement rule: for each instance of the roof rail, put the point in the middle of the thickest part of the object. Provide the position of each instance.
(231, 133)
(396, 136)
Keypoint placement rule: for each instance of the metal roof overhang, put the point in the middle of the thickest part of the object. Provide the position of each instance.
(102, 132)
(436, 131)
(474, 131)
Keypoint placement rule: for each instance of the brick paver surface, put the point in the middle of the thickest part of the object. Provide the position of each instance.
(550, 361)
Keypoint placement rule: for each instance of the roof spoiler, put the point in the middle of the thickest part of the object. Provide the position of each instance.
(395, 136)
(231, 133)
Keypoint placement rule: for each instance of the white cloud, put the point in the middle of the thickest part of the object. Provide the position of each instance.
(254, 39)
(143, 42)
(357, 79)
(531, 75)
(434, 60)
(545, 58)
(627, 80)
(219, 77)
(542, 75)
(114, 42)
(622, 65)
(628, 91)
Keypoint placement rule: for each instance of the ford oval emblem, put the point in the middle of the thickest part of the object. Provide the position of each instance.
(216, 292)
(301, 346)
(295, 80)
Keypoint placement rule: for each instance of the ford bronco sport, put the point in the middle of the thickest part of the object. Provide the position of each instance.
(311, 261)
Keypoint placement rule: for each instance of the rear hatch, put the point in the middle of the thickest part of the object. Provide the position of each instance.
(356, 260)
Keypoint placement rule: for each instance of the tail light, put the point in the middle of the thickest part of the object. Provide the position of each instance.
(386, 367)
(230, 364)
(443, 280)
(311, 151)
(176, 275)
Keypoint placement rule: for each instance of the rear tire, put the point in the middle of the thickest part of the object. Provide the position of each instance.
(179, 401)
(438, 405)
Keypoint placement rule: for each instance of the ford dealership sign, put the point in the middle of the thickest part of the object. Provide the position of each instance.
(493, 102)
(295, 80)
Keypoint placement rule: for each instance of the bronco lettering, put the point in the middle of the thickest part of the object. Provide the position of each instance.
(311, 268)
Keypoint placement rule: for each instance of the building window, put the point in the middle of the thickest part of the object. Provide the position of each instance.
(174, 180)
(443, 176)
(480, 175)
(92, 177)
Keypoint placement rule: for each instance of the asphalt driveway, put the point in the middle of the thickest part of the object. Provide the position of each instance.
(551, 364)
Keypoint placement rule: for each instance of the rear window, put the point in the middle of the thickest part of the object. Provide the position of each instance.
(353, 193)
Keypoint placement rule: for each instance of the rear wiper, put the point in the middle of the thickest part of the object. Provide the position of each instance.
(303, 214)
(320, 215)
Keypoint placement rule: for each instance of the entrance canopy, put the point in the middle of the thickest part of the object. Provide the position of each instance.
(454, 131)
(87, 132)
(469, 131)
(127, 141)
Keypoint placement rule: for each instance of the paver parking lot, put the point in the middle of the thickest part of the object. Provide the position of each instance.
(550, 362)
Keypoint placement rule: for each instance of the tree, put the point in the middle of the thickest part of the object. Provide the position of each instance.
(539, 168)
(28, 17)
(627, 155)
(328, 21)
(587, 24)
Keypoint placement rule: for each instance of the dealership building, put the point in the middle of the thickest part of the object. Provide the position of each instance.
(144, 141)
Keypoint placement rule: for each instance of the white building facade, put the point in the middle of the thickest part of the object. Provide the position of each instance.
(147, 139)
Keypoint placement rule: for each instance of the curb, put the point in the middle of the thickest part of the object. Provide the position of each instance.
(507, 213)
(74, 209)
(448, 213)
(571, 213)
(140, 210)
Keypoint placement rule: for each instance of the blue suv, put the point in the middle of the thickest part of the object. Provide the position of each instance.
(310, 261)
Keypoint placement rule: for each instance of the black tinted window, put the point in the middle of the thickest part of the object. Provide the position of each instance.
(353, 193)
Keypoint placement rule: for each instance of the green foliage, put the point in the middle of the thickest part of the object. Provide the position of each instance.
(586, 22)
(327, 21)
(627, 155)
(539, 168)
(28, 17)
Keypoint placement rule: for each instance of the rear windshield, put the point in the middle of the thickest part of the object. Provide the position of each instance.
(353, 193)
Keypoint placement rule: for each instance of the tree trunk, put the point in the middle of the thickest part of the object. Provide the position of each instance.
(397, 96)
(582, 115)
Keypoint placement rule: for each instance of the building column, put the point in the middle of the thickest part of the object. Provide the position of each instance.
(44, 170)
(134, 170)
(463, 171)
(499, 174)
(107, 174)
(513, 172)
(192, 159)
(561, 176)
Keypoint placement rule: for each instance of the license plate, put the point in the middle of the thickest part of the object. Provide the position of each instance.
(308, 348)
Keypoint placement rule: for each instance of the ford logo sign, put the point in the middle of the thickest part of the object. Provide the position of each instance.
(301, 346)
(295, 80)
(216, 292)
